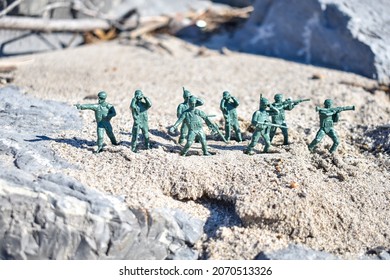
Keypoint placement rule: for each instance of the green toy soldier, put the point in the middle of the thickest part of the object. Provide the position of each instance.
(139, 106)
(183, 107)
(328, 116)
(280, 118)
(228, 107)
(104, 112)
(193, 119)
(262, 124)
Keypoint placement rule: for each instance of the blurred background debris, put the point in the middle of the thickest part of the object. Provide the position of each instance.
(349, 35)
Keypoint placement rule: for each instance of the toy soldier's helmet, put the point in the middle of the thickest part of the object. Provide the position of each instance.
(328, 103)
(102, 95)
(278, 97)
(138, 93)
(186, 94)
(226, 94)
(263, 102)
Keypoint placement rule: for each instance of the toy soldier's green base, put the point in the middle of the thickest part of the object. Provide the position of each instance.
(134, 147)
(249, 152)
(313, 145)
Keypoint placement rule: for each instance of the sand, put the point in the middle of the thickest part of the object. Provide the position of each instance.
(335, 203)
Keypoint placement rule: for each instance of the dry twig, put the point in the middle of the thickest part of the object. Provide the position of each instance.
(10, 7)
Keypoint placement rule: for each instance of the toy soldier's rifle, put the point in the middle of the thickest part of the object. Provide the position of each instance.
(270, 124)
(296, 102)
(214, 127)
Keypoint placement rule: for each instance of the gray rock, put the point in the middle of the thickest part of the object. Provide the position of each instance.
(48, 220)
(25, 122)
(295, 252)
(347, 35)
(378, 253)
(53, 216)
(235, 3)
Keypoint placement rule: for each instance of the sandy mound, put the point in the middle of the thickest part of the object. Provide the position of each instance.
(336, 203)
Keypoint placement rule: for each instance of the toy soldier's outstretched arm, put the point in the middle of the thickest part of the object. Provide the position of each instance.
(86, 106)
(177, 123)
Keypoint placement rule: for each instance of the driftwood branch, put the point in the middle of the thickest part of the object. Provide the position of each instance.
(149, 25)
(52, 25)
(127, 20)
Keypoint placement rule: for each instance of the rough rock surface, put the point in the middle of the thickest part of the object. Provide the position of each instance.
(295, 252)
(338, 204)
(342, 34)
(45, 214)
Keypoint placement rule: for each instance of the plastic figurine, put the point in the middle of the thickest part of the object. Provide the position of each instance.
(328, 116)
(193, 119)
(180, 109)
(280, 117)
(262, 124)
(139, 106)
(228, 107)
(104, 112)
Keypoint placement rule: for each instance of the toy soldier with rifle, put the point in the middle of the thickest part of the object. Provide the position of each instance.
(328, 116)
(280, 118)
(262, 124)
(180, 109)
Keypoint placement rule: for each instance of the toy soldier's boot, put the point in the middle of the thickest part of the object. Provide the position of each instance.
(285, 136)
(334, 147)
(147, 144)
(239, 137)
(113, 141)
(99, 146)
(204, 147)
(185, 150)
(134, 147)
(249, 151)
(312, 145)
